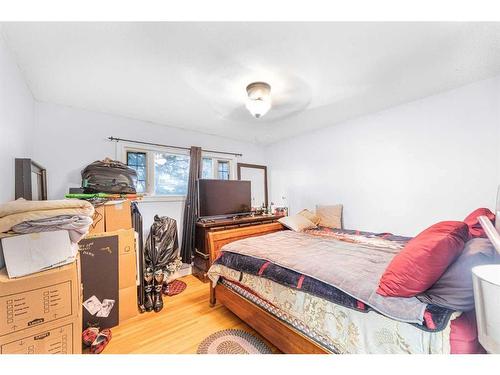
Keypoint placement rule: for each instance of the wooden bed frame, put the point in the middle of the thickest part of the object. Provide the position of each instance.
(283, 336)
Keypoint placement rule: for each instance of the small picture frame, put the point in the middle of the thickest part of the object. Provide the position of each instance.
(281, 211)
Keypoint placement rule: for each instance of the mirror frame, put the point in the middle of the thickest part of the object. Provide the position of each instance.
(24, 168)
(255, 166)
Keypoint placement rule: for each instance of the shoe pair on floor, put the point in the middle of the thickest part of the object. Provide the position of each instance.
(153, 284)
(96, 339)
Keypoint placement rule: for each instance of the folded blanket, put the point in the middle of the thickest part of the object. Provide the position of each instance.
(16, 212)
(382, 240)
(77, 226)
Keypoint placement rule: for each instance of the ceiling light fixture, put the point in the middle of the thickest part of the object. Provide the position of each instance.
(259, 98)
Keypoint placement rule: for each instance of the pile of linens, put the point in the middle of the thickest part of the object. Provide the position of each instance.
(25, 217)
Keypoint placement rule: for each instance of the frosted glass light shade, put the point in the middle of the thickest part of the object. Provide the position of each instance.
(258, 107)
(259, 99)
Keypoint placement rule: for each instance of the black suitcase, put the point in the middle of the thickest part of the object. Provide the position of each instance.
(109, 176)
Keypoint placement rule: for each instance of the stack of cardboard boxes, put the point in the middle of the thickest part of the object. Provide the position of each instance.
(41, 313)
(109, 271)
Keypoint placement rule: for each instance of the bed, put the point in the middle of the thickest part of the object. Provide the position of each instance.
(293, 307)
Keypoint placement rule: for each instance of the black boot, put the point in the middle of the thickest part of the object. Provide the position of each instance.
(158, 300)
(148, 289)
(164, 289)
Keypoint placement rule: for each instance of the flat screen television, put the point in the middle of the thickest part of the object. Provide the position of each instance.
(223, 198)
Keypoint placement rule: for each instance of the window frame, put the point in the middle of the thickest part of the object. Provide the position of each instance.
(149, 195)
(216, 158)
(146, 162)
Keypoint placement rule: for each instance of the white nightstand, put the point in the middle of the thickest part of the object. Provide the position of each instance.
(487, 299)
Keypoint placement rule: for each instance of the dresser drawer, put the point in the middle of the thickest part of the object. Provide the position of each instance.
(201, 262)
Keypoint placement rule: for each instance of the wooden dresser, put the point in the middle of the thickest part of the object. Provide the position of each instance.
(202, 259)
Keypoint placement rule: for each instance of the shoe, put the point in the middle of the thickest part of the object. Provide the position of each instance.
(158, 282)
(89, 335)
(148, 289)
(101, 341)
(165, 288)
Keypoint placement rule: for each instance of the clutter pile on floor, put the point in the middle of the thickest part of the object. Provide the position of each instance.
(109, 277)
(50, 249)
(39, 265)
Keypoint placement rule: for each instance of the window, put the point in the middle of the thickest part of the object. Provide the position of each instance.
(222, 170)
(217, 168)
(171, 174)
(159, 172)
(206, 168)
(137, 161)
(163, 172)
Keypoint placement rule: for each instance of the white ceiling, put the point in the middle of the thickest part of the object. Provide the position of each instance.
(193, 75)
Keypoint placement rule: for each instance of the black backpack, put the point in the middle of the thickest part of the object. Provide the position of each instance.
(109, 176)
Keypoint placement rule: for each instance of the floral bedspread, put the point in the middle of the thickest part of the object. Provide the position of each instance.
(339, 329)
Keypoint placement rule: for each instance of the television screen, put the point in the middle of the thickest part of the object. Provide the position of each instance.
(223, 197)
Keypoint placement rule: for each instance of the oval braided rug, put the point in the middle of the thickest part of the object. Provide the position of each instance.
(233, 341)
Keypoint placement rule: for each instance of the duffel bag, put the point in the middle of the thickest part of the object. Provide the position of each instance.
(109, 176)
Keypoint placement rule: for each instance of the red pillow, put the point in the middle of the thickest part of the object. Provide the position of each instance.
(475, 228)
(424, 259)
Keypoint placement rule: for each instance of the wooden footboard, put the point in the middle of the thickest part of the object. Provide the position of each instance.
(218, 239)
(283, 336)
(280, 334)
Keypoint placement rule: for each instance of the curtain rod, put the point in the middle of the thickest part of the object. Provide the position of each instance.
(169, 146)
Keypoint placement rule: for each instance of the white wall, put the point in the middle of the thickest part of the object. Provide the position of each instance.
(402, 169)
(16, 120)
(68, 139)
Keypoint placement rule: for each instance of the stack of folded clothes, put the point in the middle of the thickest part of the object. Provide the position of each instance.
(55, 222)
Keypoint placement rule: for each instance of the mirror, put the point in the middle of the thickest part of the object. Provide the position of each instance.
(257, 175)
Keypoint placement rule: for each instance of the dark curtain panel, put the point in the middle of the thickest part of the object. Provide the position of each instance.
(191, 208)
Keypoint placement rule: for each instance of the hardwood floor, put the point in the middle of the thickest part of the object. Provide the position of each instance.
(179, 328)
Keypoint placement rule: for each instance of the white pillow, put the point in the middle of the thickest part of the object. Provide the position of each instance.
(297, 223)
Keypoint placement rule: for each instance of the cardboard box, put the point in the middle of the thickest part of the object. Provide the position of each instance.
(117, 215)
(59, 337)
(127, 259)
(40, 299)
(126, 271)
(29, 253)
(128, 303)
(112, 216)
(97, 225)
